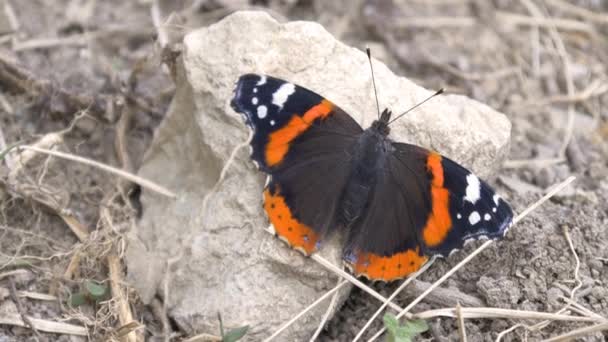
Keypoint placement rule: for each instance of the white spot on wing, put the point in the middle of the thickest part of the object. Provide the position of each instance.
(487, 217)
(255, 90)
(262, 111)
(280, 96)
(473, 189)
(494, 209)
(459, 216)
(262, 81)
(474, 218)
(496, 198)
(272, 122)
(254, 100)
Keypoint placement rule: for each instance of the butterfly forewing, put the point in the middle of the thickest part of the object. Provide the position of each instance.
(301, 141)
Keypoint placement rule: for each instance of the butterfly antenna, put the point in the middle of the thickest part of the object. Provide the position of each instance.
(369, 58)
(438, 92)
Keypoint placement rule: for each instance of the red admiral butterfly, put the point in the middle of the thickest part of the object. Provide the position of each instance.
(399, 203)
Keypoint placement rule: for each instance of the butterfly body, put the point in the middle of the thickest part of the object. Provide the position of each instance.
(398, 204)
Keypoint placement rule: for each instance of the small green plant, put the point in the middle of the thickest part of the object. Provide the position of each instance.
(232, 335)
(92, 293)
(405, 332)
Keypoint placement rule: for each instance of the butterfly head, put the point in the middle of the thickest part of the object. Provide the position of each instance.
(381, 125)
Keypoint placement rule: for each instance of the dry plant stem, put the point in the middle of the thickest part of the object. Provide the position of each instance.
(37, 296)
(443, 296)
(594, 89)
(72, 266)
(21, 80)
(584, 13)
(44, 325)
(15, 298)
(461, 328)
(561, 49)
(570, 336)
(481, 248)
(436, 22)
(124, 311)
(393, 295)
(135, 179)
(330, 308)
(475, 313)
(506, 331)
(80, 230)
(8, 159)
(541, 325)
(513, 19)
(158, 310)
(204, 338)
(519, 163)
(12, 273)
(82, 39)
(303, 312)
(120, 142)
(581, 308)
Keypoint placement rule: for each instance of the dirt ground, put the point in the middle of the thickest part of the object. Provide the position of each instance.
(94, 78)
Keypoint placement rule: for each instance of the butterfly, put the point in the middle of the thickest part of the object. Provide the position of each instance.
(398, 204)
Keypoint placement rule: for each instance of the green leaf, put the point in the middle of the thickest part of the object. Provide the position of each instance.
(235, 334)
(77, 299)
(417, 326)
(96, 291)
(405, 333)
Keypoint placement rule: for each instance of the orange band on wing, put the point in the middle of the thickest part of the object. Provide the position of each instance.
(278, 141)
(439, 222)
(296, 234)
(388, 268)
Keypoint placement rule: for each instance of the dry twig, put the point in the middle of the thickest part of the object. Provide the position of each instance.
(20, 309)
(129, 176)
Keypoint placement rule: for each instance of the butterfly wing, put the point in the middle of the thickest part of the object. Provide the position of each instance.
(302, 141)
(422, 205)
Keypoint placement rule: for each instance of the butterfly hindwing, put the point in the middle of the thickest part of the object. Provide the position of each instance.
(300, 140)
(422, 205)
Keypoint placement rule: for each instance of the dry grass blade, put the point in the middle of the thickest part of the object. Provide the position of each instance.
(509, 19)
(579, 332)
(600, 18)
(129, 176)
(330, 308)
(303, 312)
(36, 295)
(519, 217)
(354, 281)
(124, 314)
(44, 325)
(461, 328)
(503, 313)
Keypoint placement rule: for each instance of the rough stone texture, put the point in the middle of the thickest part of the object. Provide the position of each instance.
(226, 262)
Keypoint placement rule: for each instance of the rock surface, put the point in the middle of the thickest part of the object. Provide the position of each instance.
(210, 247)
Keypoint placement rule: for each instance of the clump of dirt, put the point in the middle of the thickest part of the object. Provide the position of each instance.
(98, 77)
